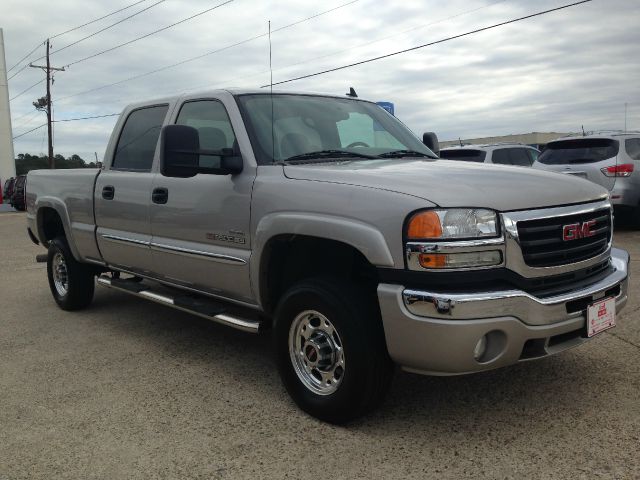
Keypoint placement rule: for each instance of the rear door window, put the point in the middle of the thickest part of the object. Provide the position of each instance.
(138, 139)
(581, 150)
(520, 157)
(501, 156)
(632, 146)
(467, 154)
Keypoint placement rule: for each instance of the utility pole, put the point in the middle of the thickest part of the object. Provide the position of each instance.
(44, 103)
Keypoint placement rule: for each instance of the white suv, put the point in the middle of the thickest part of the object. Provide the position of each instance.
(609, 158)
(498, 153)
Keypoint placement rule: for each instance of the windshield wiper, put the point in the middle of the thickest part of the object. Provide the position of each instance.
(324, 154)
(404, 153)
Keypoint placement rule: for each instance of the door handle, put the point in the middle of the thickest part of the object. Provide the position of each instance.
(160, 195)
(108, 192)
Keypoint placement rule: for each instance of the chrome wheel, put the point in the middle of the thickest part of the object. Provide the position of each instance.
(60, 274)
(316, 352)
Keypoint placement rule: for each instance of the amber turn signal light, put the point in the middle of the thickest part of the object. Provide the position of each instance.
(424, 225)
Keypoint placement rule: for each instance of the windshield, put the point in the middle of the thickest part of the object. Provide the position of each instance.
(466, 155)
(583, 150)
(304, 124)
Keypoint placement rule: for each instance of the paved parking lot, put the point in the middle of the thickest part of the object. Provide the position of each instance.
(131, 389)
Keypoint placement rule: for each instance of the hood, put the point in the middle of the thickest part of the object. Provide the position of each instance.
(456, 184)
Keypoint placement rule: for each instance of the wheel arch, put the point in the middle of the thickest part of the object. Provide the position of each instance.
(52, 220)
(295, 246)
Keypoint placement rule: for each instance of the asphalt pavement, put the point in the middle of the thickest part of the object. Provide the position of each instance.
(130, 389)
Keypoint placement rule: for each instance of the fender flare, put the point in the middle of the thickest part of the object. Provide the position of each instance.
(365, 238)
(61, 210)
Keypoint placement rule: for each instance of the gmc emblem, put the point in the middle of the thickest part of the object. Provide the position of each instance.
(575, 231)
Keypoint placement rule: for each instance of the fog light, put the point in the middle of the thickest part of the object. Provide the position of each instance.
(481, 348)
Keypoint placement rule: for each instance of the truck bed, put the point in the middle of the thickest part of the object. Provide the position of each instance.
(70, 193)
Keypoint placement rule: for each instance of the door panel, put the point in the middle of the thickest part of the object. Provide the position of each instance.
(122, 192)
(123, 232)
(200, 234)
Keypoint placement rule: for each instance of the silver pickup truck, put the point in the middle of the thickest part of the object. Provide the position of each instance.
(325, 220)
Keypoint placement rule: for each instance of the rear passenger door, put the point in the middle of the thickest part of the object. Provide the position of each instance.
(123, 192)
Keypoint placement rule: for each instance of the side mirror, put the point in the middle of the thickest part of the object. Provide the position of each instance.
(180, 154)
(430, 139)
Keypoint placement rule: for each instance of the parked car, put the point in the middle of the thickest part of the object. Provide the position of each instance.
(7, 191)
(611, 160)
(499, 153)
(18, 195)
(326, 220)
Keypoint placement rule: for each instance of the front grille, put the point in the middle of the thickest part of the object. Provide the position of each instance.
(542, 244)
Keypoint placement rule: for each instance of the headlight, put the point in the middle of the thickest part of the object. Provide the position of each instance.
(452, 224)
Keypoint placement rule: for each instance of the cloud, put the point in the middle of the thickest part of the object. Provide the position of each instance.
(550, 73)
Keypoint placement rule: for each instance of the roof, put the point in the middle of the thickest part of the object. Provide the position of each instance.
(237, 91)
(487, 145)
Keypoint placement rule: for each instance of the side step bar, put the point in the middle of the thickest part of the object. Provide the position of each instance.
(201, 307)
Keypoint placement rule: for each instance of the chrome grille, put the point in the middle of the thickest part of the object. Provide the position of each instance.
(543, 246)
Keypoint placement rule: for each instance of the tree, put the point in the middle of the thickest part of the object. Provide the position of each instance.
(26, 162)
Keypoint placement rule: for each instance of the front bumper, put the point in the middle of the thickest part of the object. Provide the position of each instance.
(436, 332)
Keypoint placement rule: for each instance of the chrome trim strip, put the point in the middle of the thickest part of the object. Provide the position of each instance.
(515, 260)
(199, 253)
(414, 249)
(116, 238)
(222, 318)
(515, 303)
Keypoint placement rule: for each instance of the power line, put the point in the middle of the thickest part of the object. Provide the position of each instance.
(242, 42)
(23, 58)
(32, 114)
(149, 34)
(65, 32)
(415, 27)
(26, 90)
(29, 131)
(86, 118)
(98, 19)
(105, 28)
(443, 40)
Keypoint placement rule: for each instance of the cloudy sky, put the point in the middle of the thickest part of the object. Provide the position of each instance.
(556, 72)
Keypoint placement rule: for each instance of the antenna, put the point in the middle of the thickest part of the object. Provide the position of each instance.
(273, 134)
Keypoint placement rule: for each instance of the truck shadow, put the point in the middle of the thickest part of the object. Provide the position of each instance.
(505, 402)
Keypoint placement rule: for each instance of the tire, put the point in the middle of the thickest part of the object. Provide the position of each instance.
(345, 347)
(71, 282)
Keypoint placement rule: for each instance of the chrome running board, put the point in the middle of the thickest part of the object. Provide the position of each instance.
(202, 307)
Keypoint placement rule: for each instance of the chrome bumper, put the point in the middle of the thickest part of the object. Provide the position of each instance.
(436, 332)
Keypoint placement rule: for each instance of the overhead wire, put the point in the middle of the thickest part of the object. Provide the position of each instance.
(68, 31)
(436, 42)
(415, 27)
(191, 59)
(27, 89)
(97, 19)
(86, 118)
(75, 62)
(29, 131)
(103, 29)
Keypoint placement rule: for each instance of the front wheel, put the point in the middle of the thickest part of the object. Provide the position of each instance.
(71, 282)
(330, 349)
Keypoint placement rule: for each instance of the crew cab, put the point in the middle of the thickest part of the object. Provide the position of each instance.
(326, 221)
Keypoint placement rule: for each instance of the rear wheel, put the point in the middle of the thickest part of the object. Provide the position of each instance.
(71, 282)
(330, 349)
